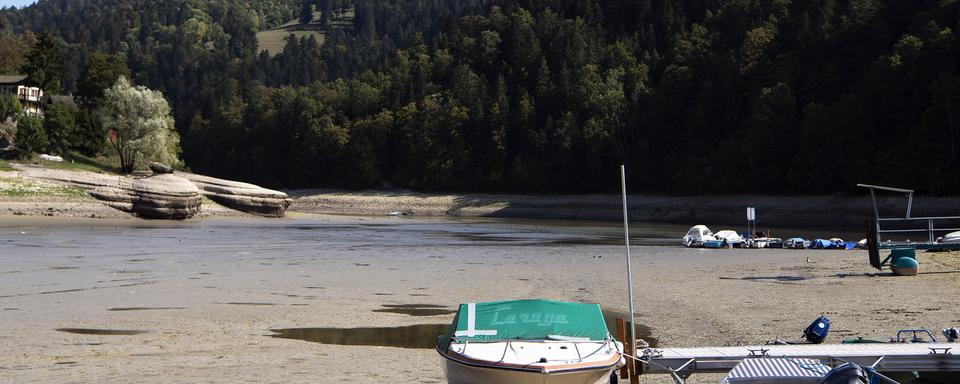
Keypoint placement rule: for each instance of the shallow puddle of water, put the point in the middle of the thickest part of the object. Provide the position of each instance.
(768, 278)
(102, 332)
(61, 268)
(416, 309)
(421, 336)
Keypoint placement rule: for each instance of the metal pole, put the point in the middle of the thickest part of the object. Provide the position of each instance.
(909, 204)
(876, 214)
(626, 241)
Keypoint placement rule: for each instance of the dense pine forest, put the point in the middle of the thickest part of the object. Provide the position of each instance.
(694, 96)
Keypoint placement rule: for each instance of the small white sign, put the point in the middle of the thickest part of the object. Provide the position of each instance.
(751, 213)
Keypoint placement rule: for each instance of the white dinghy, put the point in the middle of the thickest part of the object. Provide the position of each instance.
(529, 341)
(951, 238)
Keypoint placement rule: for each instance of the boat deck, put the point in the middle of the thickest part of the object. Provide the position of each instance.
(888, 357)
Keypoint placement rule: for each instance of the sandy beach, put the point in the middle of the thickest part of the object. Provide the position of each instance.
(200, 298)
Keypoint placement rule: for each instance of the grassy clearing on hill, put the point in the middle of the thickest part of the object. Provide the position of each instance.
(21, 188)
(78, 162)
(273, 40)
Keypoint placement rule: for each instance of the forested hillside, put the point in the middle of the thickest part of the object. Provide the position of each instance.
(695, 96)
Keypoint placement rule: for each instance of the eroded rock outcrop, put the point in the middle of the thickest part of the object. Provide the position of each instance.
(156, 197)
(243, 197)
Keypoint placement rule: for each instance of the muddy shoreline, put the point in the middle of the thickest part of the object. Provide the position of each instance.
(90, 300)
(832, 211)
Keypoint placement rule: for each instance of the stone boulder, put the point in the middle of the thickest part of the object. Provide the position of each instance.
(156, 197)
(243, 197)
(158, 168)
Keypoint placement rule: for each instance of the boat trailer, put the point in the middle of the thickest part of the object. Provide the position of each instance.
(680, 363)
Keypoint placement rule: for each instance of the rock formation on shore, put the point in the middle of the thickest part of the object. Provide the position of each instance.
(168, 195)
(157, 197)
(241, 196)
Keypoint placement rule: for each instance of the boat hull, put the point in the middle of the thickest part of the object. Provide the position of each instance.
(460, 373)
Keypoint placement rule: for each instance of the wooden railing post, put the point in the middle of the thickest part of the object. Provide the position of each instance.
(630, 370)
(634, 374)
(622, 335)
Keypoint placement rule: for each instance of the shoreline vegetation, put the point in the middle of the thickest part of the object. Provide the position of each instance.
(24, 195)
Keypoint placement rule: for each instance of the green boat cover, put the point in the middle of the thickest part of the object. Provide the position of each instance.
(529, 320)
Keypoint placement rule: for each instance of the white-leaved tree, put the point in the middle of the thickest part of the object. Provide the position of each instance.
(139, 126)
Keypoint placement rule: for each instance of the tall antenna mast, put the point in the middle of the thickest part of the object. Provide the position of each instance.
(626, 241)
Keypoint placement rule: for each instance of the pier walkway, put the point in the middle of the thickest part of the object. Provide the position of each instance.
(883, 357)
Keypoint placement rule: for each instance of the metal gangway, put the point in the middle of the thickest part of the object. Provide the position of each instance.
(908, 224)
(680, 363)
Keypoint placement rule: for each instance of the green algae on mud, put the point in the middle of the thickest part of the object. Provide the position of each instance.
(416, 309)
(102, 332)
(419, 336)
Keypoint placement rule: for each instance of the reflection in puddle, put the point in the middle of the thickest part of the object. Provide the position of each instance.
(422, 336)
(144, 308)
(61, 268)
(416, 309)
(104, 332)
(774, 278)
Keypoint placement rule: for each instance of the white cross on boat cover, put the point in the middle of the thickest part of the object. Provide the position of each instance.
(529, 320)
(782, 370)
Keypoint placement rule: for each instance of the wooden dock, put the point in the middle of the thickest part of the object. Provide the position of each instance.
(884, 357)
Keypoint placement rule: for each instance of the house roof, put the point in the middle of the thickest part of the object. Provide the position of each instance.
(12, 79)
(62, 99)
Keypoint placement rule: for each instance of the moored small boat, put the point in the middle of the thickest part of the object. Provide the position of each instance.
(529, 341)
(700, 236)
(951, 238)
(730, 238)
(796, 243)
(774, 242)
(763, 240)
(825, 244)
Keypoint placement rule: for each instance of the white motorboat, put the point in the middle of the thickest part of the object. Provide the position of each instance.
(730, 238)
(951, 238)
(700, 236)
(529, 341)
(763, 240)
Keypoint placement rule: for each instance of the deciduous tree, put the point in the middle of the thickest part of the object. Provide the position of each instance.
(139, 125)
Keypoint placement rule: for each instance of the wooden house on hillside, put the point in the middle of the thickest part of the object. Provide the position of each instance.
(26, 91)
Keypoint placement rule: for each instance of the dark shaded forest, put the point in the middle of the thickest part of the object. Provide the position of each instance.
(547, 96)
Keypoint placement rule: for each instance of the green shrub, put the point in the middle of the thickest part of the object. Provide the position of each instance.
(30, 136)
(60, 126)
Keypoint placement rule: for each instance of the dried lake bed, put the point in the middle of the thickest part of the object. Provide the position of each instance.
(351, 299)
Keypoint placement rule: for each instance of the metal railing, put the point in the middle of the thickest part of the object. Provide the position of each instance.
(931, 227)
